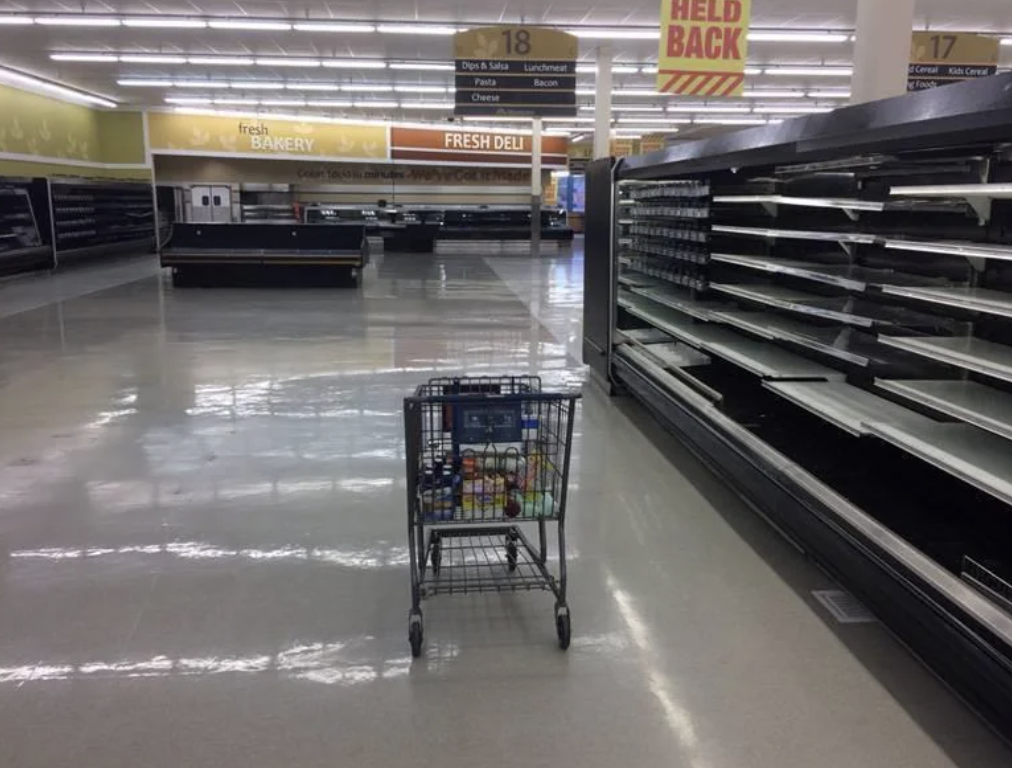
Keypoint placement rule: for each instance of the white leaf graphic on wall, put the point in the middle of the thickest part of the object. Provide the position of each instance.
(16, 130)
(83, 149)
(303, 128)
(33, 146)
(3, 139)
(228, 142)
(199, 138)
(371, 148)
(44, 133)
(71, 145)
(345, 145)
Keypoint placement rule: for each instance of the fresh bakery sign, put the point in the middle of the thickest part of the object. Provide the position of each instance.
(260, 139)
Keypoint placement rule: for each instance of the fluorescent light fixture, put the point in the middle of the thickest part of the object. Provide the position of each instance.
(799, 109)
(648, 70)
(77, 21)
(647, 129)
(211, 84)
(354, 64)
(1006, 41)
(586, 92)
(255, 85)
(604, 33)
(184, 100)
(133, 83)
(331, 103)
(796, 37)
(635, 92)
(312, 86)
(829, 94)
(809, 71)
(729, 121)
(637, 109)
(423, 66)
(710, 110)
(427, 105)
(221, 61)
(753, 71)
(363, 88)
(16, 21)
(769, 93)
(11, 77)
(283, 61)
(476, 119)
(332, 26)
(282, 103)
(376, 104)
(250, 25)
(163, 22)
(236, 102)
(618, 69)
(416, 29)
(85, 57)
(569, 119)
(654, 120)
(131, 58)
(419, 89)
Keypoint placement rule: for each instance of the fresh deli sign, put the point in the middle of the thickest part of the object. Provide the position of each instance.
(515, 71)
(704, 45)
(260, 139)
(474, 147)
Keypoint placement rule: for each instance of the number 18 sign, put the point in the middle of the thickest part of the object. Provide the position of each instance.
(704, 44)
(517, 71)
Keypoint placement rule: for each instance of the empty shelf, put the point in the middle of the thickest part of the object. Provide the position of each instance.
(971, 299)
(802, 202)
(680, 301)
(973, 455)
(849, 408)
(970, 353)
(676, 380)
(953, 248)
(795, 234)
(769, 361)
(676, 355)
(844, 276)
(634, 279)
(992, 191)
(646, 335)
(974, 403)
(828, 341)
(676, 324)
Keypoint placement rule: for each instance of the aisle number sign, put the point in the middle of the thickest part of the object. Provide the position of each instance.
(704, 45)
(940, 58)
(515, 71)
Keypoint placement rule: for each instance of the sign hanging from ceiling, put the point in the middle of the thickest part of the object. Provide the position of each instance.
(515, 71)
(704, 45)
(940, 58)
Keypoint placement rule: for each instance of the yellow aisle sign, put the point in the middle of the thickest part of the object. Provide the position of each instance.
(941, 58)
(704, 44)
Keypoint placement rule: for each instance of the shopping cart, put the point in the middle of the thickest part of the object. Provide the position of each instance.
(484, 457)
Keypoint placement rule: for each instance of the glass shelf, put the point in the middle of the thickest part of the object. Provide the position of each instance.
(977, 404)
(675, 323)
(973, 354)
(681, 301)
(846, 238)
(953, 248)
(844, 276)
(969, 299)
(769, 361)
(845, 406)
(848, 206)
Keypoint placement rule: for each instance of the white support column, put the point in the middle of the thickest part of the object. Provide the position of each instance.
(536, 190)
(602, 103)
(882, 51)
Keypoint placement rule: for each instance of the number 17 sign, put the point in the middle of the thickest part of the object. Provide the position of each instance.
(704, 45)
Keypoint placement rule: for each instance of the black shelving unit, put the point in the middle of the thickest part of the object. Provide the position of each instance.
(94, 218)
(822, 310)
(23, 245)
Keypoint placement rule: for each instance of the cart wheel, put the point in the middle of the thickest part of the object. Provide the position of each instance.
(415, 634)
(562, 626)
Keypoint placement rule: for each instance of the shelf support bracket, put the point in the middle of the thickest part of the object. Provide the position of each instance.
(852, 214)
(849, 248)
(771, 209)
(982, 207)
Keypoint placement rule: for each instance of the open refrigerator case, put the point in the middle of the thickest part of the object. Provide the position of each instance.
(23, 241)
(824, 314)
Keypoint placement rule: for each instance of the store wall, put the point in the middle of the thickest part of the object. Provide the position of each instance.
(42, 136)
(357, 182)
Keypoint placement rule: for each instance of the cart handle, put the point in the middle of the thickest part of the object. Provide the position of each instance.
(489, 397)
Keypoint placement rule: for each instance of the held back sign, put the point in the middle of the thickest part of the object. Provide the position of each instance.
(943, 58)
(704, 45)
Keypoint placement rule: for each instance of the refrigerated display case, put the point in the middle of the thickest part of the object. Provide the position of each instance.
(22, 245)
(822, 310)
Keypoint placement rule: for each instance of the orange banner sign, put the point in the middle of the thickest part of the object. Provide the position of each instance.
(704, 44)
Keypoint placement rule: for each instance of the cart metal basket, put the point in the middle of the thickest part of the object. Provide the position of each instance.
(486, 456)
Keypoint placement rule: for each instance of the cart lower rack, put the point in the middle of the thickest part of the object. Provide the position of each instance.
(486, 459)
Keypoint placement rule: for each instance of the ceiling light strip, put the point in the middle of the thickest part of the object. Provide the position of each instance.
(21, 80)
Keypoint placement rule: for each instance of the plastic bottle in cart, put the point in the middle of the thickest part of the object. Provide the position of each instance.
(529, 424)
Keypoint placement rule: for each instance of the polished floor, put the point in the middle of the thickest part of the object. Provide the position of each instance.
(203, 559)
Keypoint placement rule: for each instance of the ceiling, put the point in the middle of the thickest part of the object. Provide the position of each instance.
(407, 87)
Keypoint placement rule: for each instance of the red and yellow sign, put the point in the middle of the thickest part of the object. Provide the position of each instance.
(704, 44)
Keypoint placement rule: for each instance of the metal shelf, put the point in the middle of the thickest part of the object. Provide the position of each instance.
(776, 328)
(978, 196)
(769, 361)
(681, 301)
(676, 324)
(970, 299)
(844, 276)
(973, 455)
(675, 380)
(977, 404)
(845, 406)
(844, 238)
(770, 202)
(953, 248)
(973, 354)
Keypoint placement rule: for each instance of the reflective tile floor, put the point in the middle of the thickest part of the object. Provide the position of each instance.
(203, 560)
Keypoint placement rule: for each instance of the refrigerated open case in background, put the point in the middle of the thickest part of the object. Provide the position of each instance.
(822, 310)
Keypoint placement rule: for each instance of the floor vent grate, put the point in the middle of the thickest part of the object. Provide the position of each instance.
(846, 608)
